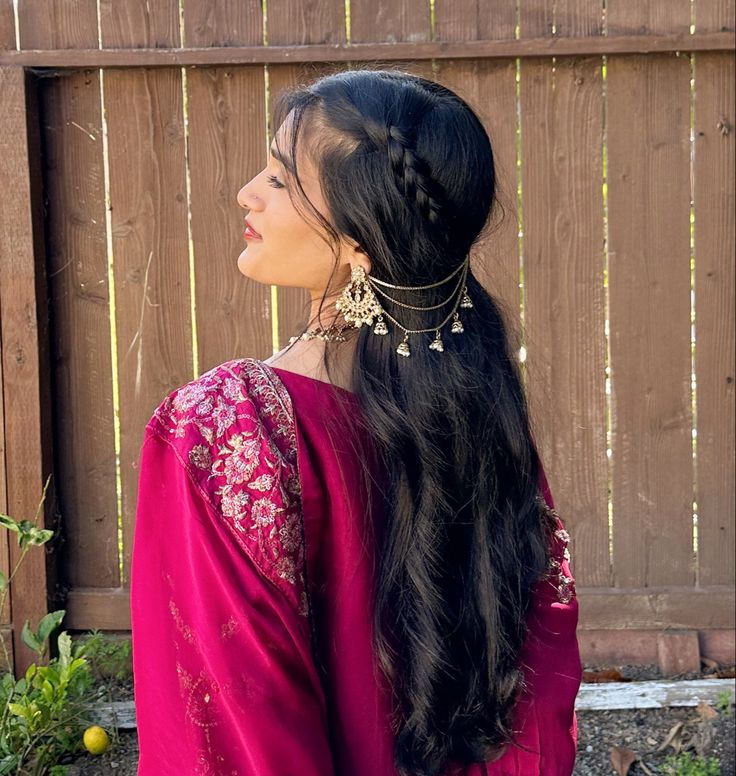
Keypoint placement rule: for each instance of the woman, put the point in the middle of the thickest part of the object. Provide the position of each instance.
(347, 559)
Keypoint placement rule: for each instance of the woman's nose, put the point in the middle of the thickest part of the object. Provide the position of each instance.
(246, 198)
(242, 198)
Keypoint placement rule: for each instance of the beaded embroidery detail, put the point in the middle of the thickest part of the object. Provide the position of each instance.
(556, 575)
(233, 428)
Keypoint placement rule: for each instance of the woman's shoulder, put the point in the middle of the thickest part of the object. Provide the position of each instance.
(233, 430)
(219, 400)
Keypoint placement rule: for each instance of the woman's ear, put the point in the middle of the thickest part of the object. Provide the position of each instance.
(357, 256)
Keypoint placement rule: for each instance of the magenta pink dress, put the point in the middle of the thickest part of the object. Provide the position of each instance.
(250, 590)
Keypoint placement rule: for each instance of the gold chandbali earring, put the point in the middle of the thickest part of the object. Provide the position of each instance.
(359, 305)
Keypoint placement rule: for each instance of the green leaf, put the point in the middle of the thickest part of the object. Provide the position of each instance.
(9, 523)
(47, 691)
(49, 622)
(28, 637)
(40, 535)
(50, 673)
(3, 581)
(18, 709)
(65, 646)
(9, 764)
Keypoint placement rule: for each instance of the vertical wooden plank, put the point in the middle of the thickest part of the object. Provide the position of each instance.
(62, 25)
(57, 24)
(644, 17)
(227, 146)
(715, 16)
(80, 304)
(7, 25)
(390, 21)
(316, 25)
(561, 108)
(475, 20)
(296, 23)
(578, 18)
(536, 19)
(139, 23)
(564, 313)
(225, 23)
(7, 41)
(649, 202)
(24, 330)
(714, 201)
(715, 291)
(149, 230)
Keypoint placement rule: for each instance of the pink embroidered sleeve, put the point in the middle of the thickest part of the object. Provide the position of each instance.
(225, 682)
(551, 655)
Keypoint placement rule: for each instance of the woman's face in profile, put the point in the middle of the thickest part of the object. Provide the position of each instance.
(289, 250)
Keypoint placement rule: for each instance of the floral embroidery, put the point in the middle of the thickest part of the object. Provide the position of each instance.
(229, 628)
(181, 626)
(198, 692)
(201, 694)
(234, 429)
(556, 572)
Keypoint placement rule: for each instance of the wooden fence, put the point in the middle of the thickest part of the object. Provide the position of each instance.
(124, 140)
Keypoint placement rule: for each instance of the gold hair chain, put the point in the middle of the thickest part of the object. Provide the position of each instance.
(359, 305)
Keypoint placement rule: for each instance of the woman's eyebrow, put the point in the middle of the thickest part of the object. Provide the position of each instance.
(277, 156)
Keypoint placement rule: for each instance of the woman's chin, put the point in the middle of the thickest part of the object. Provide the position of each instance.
(248, 266)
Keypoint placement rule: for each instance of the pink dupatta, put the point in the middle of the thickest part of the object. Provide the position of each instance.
(250, 586)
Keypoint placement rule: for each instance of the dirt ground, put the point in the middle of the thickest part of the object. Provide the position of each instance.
(642, 731)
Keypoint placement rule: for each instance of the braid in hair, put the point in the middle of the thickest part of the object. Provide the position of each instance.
(412, 174)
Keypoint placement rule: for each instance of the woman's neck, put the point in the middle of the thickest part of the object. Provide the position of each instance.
(306, 357)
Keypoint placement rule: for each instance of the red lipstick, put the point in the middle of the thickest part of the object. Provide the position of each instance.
(250, 233)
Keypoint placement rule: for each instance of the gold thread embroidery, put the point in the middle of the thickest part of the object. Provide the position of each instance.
(240, 442)
(229, 628)
(181, 626)
(564, 584)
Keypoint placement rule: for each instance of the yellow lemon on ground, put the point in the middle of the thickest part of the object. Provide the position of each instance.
(95, 739)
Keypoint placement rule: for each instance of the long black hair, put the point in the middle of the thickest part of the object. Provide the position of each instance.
(407, 172)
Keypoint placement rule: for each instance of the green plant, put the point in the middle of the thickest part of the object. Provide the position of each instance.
(685, 764)
(29, 535)
(42, 713)
(109, 658)
(724, 703)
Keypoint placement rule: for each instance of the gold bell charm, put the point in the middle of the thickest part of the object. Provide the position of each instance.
(380, 327)
(436, 343)
(403, 349)
(466, 301)
(457, 325)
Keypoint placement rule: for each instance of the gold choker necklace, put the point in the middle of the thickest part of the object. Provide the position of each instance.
(330, 334)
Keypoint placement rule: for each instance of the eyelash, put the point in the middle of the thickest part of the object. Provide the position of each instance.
(275, 182)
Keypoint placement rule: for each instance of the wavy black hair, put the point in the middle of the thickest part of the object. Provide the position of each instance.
(407, 172)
